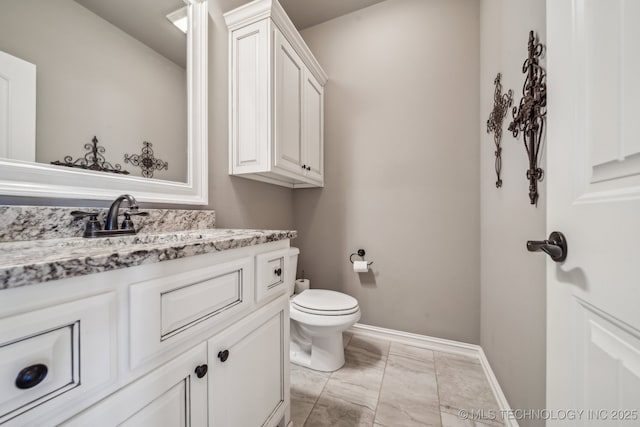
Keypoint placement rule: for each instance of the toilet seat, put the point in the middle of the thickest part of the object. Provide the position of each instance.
(322, 302)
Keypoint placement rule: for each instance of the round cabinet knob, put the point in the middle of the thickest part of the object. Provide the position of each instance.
(201, 370)
(223, 355)
(278, 272)
(304, 166)
(308, 168)
(31, 376)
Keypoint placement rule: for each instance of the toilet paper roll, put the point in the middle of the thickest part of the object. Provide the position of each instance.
(360, 266)
(301, 285)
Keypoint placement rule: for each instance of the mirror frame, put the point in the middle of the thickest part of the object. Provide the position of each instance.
(30, 179)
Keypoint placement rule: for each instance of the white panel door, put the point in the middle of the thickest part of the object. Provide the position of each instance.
(288, 106)
(313, 138)
(593, 140)
(17, 108)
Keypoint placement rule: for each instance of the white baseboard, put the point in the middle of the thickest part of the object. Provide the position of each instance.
(495, 386)
(440, 344)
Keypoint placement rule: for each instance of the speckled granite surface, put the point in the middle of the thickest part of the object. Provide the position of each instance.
(50, 222)
(29, 262)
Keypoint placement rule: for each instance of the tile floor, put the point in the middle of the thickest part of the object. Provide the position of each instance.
(387, 384)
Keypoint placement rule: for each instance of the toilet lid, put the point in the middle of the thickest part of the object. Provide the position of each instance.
(325, 302)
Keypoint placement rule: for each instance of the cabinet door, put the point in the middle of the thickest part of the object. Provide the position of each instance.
(249, 99)
(249, 365)
(170, 396)
(313, 128)
(289, 71)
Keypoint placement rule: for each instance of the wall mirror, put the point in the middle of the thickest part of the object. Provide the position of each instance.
(131, 73)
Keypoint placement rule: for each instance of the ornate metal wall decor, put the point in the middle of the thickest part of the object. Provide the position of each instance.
(530, 115)
(147, 161)
(501, 104)
(93, 160)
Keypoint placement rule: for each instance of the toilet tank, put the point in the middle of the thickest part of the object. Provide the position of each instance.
(291, 271)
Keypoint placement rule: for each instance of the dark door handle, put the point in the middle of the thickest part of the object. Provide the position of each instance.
(278, 271)
(555, 246)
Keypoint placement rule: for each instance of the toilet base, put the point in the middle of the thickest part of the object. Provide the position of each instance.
(326, 353)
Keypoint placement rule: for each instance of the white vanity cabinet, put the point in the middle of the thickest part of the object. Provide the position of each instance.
(276, 104)
(185, 342)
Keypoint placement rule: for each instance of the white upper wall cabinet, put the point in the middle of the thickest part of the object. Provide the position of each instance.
(276, 92)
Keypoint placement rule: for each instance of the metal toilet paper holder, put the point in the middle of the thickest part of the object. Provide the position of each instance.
(361, 253)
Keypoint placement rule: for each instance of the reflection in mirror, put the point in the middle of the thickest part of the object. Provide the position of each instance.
(115, 70)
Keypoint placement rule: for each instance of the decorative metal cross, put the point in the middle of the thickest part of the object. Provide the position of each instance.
(501, 104)
(530, 115)
(92, 160)
(147, 162)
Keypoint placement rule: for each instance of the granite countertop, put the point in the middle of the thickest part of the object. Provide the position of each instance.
(36, 261)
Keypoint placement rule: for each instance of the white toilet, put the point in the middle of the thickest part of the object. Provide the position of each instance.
(318, 319)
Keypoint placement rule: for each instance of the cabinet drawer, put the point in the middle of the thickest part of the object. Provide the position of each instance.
(271, 274)
(66, 351)
(167, 310)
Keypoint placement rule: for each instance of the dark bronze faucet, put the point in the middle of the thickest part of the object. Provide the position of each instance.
(111, 223)
(93, 228)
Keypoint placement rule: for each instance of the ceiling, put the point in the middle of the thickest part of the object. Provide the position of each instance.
(146, 20)
(307, 13)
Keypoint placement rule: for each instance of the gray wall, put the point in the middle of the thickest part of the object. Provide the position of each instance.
(512, 280)
(401, 166)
